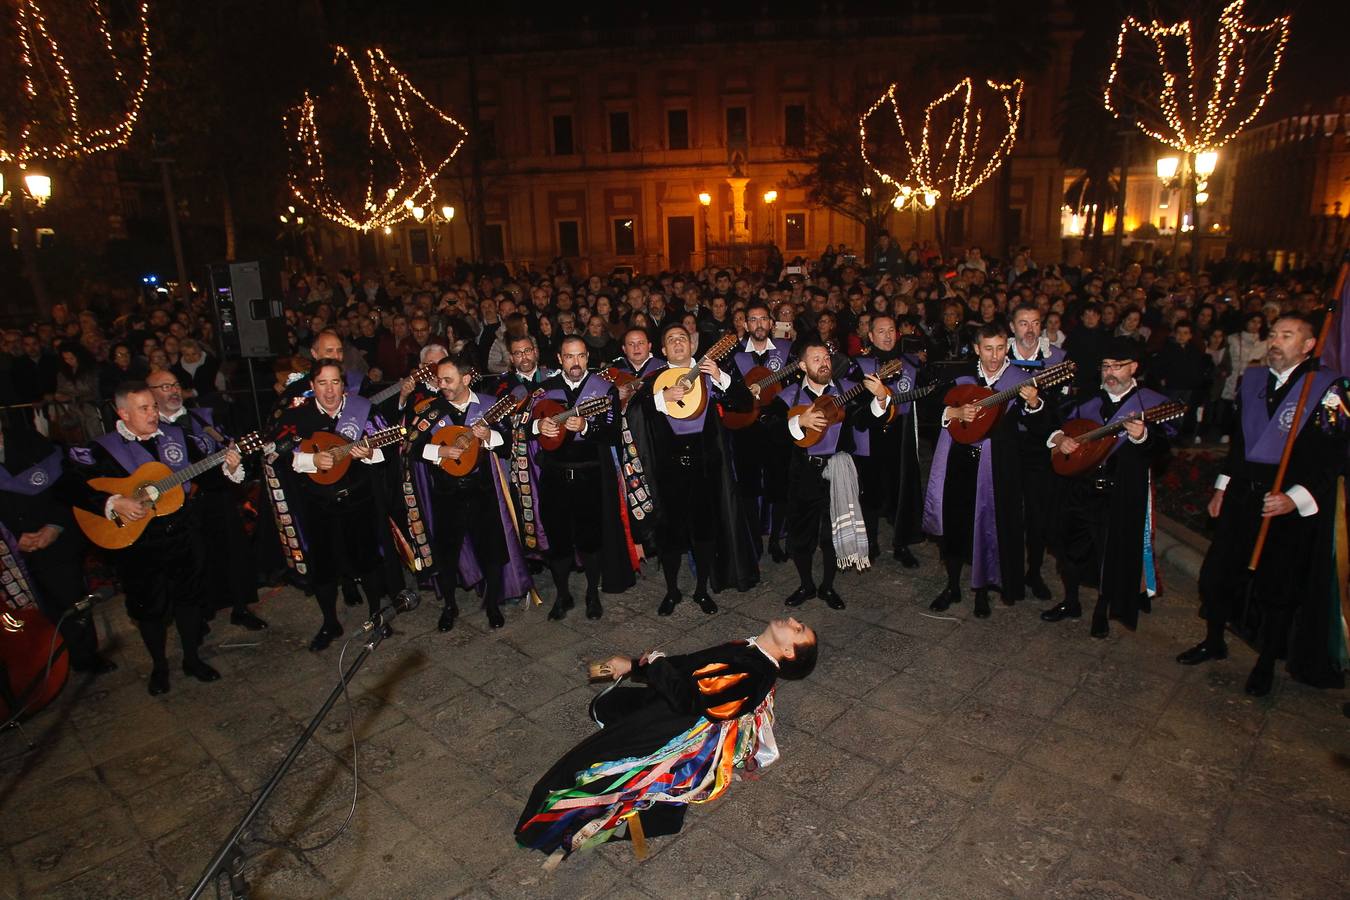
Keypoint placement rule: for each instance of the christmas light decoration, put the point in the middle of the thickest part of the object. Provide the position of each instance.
(956, 152)
(400, 121)
(56, 60)
(1191, 102)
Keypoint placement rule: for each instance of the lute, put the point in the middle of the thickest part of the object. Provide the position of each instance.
(992, 404)
(695, 399)
(461, 436)
(341, 448)
(1093, 446)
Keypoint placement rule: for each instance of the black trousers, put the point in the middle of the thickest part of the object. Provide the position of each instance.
(958, 502)
(58, 576)
(162, 577)
(231, 568)
(1037, 478)
(470, 514)
(343, 540)
(570, 509)
(1082, 533)
(808, 519)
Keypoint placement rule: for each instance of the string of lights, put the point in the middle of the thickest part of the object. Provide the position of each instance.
(391, 101)
(47, 76)
(1187, 113)
(963, 155)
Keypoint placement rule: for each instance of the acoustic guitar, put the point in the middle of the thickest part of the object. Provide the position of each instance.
(992, 404)
(833, 406)
(461, 436)
(341, 448)
(552, 410)
(158, 487)
(695, 399)
(770, 384)
(1093, 446)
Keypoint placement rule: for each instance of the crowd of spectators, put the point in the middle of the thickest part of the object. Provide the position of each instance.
(1198, 334)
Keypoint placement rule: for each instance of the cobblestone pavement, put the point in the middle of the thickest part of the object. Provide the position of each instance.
(926, 757)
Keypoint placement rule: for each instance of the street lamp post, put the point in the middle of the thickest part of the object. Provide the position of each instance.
(446, 215)
(705, 200)
(16, 192)
(770, 198)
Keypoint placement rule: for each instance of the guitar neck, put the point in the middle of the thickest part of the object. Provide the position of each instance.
(781, 375)
(1007, 394)
(385, 393)
(373, 442)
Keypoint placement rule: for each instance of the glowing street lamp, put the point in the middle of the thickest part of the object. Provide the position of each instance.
(1167, 167)
(39, 187)
(1206, 163)
(705, 198)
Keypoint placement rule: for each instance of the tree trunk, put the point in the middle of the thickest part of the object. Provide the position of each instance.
(227, 217)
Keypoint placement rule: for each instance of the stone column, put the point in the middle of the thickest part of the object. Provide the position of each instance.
(740, 234)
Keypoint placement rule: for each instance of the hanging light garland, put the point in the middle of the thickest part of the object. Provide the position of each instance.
(46, 76)
(391, 104)
(1195, 111)
(954, 157)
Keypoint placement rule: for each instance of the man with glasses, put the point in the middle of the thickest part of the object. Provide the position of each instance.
(231, 570)
(1105, 537)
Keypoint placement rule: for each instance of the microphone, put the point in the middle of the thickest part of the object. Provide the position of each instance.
(83, 606)
(404, 601)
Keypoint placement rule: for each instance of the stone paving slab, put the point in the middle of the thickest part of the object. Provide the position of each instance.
(928, 756)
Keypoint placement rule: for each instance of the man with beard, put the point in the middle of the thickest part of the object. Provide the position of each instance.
(811, 514)
(232, 577)
(579, 507)
(888, 452)
(465, 506)
(1027, 353)
(1103, 523)
(1290, 584)
(974, 498)
(698, 509)
(760, 450)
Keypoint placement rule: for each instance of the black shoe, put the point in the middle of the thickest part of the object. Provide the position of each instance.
(945, 599)
(1145, 602)
(560, 608)
(96, 665)
(494, 616)
(324, 638)
(1101, 628)
(1065, 610)
(906, 558)
(777, 553)
(159, 682)
(668, 603)
(447, 619)
(800, 596)
(1202, 653)
(1036, 584)
(1260, 681)
(705, 602)
(831, 598)
(246, 619)
(593, 608)
(200, 671)
(982, 604)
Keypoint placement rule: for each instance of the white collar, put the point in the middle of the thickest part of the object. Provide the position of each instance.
(990, 379)
(1115, 398)
(1017, 351)
(530, 374)
(639, 368)
(1282, 377)
(182, 411)
(754, 643)
(334, 416)
(473, 398)
(129, 435)
(750, 345)
(574, 384)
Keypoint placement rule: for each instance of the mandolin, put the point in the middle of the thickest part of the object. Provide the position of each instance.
(770, 383)
(1093, 448)
(461, 436)
(552, 410)
(158, 487)
(695, 399)
(833, 406)
(341, 448)
(626, 383)
(993, 404)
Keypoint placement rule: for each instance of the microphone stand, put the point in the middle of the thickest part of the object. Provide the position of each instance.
(230, 857)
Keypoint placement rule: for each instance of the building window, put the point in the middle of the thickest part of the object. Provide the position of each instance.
(419, 247)
(486, 135)
(794, 125)
(677, 129)
(737, 133)
(620, 139)
(795, 231)
(625, 238)
(569, 239)
(562, 136)
(494, 241)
